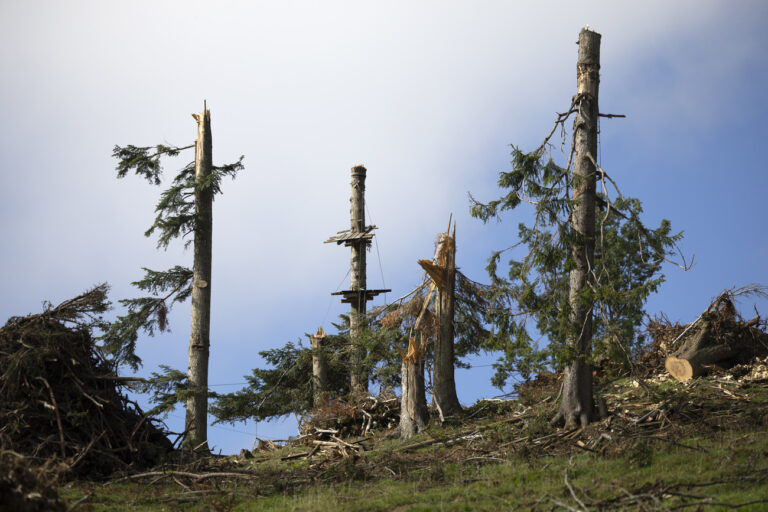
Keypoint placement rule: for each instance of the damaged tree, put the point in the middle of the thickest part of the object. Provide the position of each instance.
(184, 208)
(576, 405)
(413, 401)
(200, 330)
(319, 367)
(439, 327)
(358, 238)
(286, 385)
(442, 271)
(585, 277)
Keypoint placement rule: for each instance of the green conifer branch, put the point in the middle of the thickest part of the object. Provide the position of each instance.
(628, 260)
(146, 314)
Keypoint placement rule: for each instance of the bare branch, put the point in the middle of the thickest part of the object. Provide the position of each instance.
(560, 121)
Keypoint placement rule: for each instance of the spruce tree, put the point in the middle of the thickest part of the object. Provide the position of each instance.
(183, 211)
(286, 388)
(579, 262)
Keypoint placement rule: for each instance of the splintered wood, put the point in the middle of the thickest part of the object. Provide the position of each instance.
(438, 269)
(319, 367)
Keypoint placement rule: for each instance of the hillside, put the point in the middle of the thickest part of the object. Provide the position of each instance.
(665, 445)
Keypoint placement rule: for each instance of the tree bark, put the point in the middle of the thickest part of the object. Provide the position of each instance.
(413, 400)
(577, 402)
(444, 384)
(319, 368)
(199, 343)
(358, 375)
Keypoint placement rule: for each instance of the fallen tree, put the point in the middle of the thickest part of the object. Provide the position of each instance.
(719, 338)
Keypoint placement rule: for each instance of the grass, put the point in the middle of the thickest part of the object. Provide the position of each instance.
(706, 449)
(627, 479)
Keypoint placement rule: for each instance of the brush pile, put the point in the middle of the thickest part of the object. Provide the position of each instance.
(60, 399)
(720, 340)
(349, 420)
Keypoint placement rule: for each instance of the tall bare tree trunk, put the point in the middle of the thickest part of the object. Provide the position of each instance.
(199, 343)
(358, 375)
(577, 403)
(444, 383)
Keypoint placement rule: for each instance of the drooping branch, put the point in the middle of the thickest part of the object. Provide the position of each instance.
(143, 162)
(145, 314)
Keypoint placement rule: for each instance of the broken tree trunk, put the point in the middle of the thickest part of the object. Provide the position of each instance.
(576, 406)
(358, 375)
(199, 342)
(319, 367)
(413, 401)
(444, 384)
(358, 238)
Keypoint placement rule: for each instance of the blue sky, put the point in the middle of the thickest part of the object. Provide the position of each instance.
(428, 95)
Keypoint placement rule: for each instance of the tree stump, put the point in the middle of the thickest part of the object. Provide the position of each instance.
(413, 401)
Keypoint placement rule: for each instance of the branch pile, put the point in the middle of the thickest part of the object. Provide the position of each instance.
(347, 420)
(60, 398)
(718, 340)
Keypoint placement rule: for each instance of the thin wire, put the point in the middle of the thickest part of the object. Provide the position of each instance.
(330, 297)
(378, 254)
(218, 427)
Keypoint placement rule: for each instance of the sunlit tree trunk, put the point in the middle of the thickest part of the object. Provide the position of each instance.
(576, 407)
(358, 375)
(199, 343)
(413, 400)
(319, 367)
(444, 384)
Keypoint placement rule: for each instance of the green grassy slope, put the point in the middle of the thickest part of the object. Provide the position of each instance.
(703, 447)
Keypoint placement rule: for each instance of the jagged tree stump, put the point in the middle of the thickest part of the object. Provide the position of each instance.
(319, 367)
(413, 401)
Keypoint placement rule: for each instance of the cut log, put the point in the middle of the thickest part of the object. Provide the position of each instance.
(682, 369)
(703, 348)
